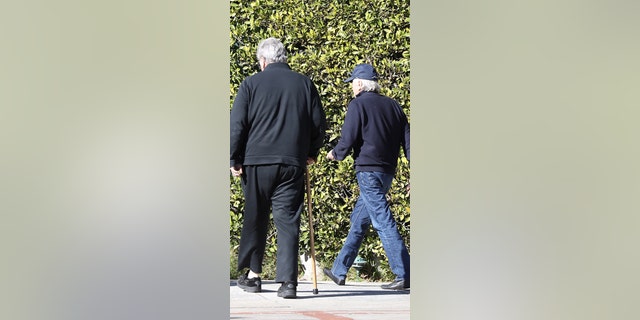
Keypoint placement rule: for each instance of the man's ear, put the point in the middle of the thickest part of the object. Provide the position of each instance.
(263, 63)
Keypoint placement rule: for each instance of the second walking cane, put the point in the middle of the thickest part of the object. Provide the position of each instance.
(313, 251)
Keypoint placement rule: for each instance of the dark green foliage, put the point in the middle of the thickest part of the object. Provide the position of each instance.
(325, 40)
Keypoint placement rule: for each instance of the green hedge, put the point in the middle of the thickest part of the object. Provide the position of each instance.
(325, 40)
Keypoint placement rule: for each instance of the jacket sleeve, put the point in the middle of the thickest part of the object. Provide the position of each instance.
(349, 134)
(318, 123)
(239, 125)
(406, 140)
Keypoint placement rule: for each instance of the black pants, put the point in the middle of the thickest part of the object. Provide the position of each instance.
(280, 189)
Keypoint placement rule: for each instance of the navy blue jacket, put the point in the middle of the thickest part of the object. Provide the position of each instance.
(276, 118)
(375, 128)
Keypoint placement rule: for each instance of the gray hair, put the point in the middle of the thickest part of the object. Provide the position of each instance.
(272, 50)
(370, 85)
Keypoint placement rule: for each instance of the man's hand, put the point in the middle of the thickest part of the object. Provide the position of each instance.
(236, 170)
(330, 155)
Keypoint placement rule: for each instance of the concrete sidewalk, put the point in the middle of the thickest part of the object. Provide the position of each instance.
(355, 300)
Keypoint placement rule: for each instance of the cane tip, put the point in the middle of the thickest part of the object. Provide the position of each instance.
(315, 291)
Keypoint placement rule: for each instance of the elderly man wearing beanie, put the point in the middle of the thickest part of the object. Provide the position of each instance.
(375, 128)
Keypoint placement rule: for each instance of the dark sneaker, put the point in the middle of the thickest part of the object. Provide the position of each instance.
(287, 290)
(398, 284)
(335, 279)
(249, 284)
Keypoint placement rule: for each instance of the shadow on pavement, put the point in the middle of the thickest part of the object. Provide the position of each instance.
(344, 291)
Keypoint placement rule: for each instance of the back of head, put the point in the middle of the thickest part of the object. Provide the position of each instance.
(272, 50)
(370, 85)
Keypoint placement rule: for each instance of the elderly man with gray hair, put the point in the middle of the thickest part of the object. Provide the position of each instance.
(375, 128)
(277, 129)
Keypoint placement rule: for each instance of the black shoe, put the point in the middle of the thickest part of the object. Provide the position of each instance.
(398, 284)
(335, 279)
(287, 290)
(249, 284)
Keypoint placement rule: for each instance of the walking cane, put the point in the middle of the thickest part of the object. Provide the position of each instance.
(313, 251)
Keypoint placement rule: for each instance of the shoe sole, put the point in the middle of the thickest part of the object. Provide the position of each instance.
(252, 289)
(333, 278)
(287, 295)
(249, 289)
(397, 289)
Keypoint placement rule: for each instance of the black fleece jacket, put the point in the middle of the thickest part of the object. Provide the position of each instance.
(276, 118)
(375, 127)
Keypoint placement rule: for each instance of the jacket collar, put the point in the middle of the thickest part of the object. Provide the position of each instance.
(277, 65)
(361, 93)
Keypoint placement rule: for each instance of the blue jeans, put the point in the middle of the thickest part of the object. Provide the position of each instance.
(372, 208)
